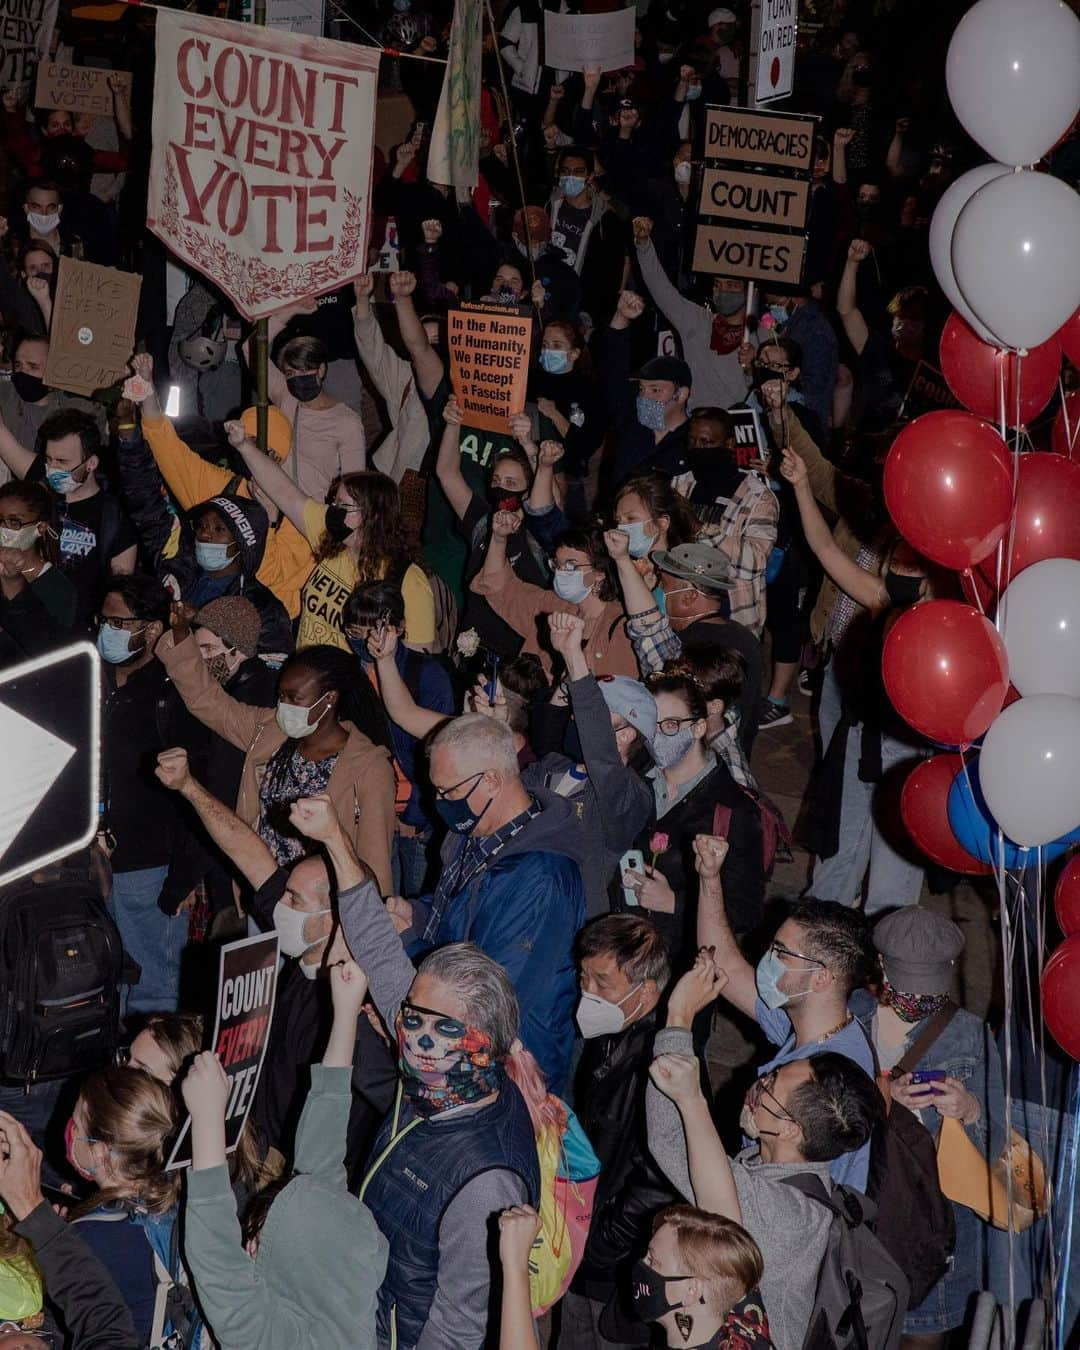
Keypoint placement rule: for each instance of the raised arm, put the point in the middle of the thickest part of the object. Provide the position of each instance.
(713, 929)
(518, 1227)
(894, 156)
(669, 300)
(142, 366)
(850, 315)
(637, 598)
(401, 707)
(269, 475)
(426, 361)
(864, 587)
(448, 464)
(842, 138)
(679, 1078)
(237, 841)
(497, 570)
(18, 459)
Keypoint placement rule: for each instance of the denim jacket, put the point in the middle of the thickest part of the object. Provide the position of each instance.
(966, 1051)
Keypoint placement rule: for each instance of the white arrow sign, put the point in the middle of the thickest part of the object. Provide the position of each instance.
(41, 757)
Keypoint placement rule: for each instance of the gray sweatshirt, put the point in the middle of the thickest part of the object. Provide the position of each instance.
(791, 1229)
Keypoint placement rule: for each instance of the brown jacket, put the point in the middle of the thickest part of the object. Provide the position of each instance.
(608, 650)
(362, 782)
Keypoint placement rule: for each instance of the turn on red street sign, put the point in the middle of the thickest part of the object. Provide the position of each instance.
(50, 737)
(772, 53)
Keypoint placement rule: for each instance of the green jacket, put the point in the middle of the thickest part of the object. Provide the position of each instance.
(321, 1257)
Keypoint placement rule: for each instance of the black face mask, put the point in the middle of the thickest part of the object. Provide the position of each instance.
(30, 388)
(304, 387)
(716, 474)
(902, 590)
(336, 526)
(503, 499)
(648, 1291)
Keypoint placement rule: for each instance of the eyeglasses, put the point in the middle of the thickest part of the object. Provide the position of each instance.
(108, 621)
(569, 567)
(781, 950)
(474, 778)
(670, 725)
(777, 369)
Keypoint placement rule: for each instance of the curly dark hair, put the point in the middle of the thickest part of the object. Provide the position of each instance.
(384, 546)
(40, 503)
(589, 539)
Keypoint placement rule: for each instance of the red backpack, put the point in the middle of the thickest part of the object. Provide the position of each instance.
(774, 830)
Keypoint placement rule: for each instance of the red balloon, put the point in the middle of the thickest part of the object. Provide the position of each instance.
(945, 670)
(1069, 337)
(1047, 521)
(1067, 897)
(1059, 435)
(1061, 995)
(948, 487)
(979, 373)
(924, 807)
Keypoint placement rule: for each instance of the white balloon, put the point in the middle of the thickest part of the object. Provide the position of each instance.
(1016, 258)
(1011, 72)
(1040, 625)
(1029, 768)
(953, 200)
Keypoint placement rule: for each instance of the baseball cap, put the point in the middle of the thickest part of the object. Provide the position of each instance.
(721, 16)
(630, 700)
(666, 368)
(918, 950)
(700, 564)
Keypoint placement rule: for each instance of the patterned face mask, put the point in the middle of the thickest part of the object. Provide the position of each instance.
(912, 1007)
(443, 1063)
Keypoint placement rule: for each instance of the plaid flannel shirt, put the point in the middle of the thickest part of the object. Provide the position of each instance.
(745, 532)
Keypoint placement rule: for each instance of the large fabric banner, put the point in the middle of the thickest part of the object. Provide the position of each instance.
(454, 153)
(261, 170)
(26, 29)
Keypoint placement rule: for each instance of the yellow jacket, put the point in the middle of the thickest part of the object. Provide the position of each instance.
(287, 562)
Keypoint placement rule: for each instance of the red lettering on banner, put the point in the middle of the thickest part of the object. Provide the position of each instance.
(273, 193)
(196, 124)
(304, 218)
(297, 102)
(221, 75)
(327, 157)
(339, 82)
(293, 143)
(234, 180)
(271, 99)
(196, 201)
(186, 48)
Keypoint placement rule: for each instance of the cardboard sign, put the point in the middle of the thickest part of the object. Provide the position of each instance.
(580, 41)
(92, 334)
(26, 29)
(79, 89)
(261, 170)
(247, 985)
(749, 255)
(928, 392)
(773, 29)
(779, 140)
(489, 361)
(757, 198)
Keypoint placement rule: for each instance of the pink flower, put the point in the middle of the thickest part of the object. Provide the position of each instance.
(659, 842)
(766, 321)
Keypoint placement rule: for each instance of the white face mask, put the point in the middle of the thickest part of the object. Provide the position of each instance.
(294, 722)
(683, 171)
(41, 223)
(23, 538)
(289, 925)
(597, 1016)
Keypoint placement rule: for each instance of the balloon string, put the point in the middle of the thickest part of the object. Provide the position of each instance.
(1066, 1196)
(971, 590)
(1071, 432)
(1040, 939)
(1007, 970)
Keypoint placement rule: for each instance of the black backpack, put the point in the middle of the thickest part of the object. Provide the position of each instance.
(60, 968)
(862, 1294)
(915, 1221)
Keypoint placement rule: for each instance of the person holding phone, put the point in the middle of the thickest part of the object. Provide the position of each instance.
(957, 1075)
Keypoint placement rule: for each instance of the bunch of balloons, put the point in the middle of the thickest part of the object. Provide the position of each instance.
(1003, 247)
(1061, 977)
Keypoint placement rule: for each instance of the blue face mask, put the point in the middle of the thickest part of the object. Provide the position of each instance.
(572, 186)
(114, 644)
(554, 360)
(779, 313)
(640, 542)
(770, 971)
(571, 587)
(693, 91)
(359, 649)
(212, 557)
(62, 481)
(459, 815)
(650, 413)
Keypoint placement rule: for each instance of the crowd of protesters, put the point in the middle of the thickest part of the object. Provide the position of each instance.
(469, 719)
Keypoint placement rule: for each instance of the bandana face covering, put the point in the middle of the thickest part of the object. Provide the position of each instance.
(445, 1065)
(912, 1007)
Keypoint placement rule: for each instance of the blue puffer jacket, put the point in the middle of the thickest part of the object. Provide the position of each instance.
(411, 1183)
(523, 911)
